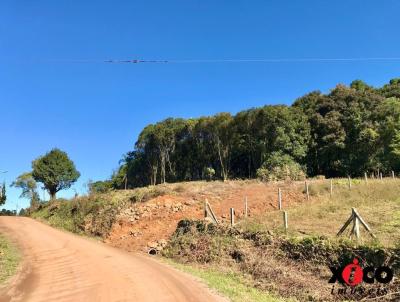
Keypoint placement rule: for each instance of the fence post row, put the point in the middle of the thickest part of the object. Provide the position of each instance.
(307, 192)
(285, 220)
(279, 198)
(246, 209)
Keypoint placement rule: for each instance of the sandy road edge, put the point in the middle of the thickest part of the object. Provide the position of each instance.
(9, 290)
(20, 285)
(164, 262)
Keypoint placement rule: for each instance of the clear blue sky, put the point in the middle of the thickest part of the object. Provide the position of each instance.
(95, 110)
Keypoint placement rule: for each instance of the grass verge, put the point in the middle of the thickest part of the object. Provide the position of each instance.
(9, 259)
(230, 285)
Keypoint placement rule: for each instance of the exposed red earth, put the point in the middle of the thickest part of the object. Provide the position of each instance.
(145, 224)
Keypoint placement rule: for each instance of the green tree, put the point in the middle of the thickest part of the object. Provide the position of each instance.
(28, 185)
(280, 167)
(392, 89)
(55, 171)
(388, 119)
(349, 130)
(99, 186)
(221, 134)
(3, 195)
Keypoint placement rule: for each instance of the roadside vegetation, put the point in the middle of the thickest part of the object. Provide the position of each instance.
(229, 284)
(94, 214)
(91, 215)
(292, 268)
(9, 259)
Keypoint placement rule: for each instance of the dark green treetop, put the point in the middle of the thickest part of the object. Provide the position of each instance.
(55, 171)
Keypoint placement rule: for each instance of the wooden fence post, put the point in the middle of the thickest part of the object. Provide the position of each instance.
(331, 191)
(307, 192)
(357, 220)
(349, 179)
(285, 220)
(246, 209)
(381, 176)
(356, 225)
(393, 174)
(232, 216)
(209, 213)
(279, 199)
(366, 177)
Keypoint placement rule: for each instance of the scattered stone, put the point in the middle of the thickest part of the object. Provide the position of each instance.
(158, 245)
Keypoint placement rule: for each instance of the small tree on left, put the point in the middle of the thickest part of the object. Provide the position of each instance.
(28, 185)
(3, 196)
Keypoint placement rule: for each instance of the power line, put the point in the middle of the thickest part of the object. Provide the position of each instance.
(200, 61)
(278, 60)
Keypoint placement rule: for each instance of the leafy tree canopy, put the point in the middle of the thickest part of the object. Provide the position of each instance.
(347, 131)
(55, 171)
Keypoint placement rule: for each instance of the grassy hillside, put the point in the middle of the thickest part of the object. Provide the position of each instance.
(378, 202)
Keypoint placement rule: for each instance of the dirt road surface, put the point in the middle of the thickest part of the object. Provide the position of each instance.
(59, 266)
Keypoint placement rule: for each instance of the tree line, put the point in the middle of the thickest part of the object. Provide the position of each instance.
(348, 131)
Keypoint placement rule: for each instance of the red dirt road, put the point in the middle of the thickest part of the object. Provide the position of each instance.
(59, 266)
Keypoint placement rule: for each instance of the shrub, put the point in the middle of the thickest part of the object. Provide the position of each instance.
(208, 173)
(99, 187)
(280, 167)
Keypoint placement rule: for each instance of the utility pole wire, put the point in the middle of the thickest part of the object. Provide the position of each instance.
(281, 60)
(240, 60)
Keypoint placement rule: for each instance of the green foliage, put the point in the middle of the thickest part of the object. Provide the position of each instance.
(352, 129)
(23, 212)
(5, 212)
(321, 250)
(147, 193)
(28, 185)
(90, 215)
(3, 194)
(280, 167)
(99, 187)
(231, 146)
(208, 173)
(55, 170)
(348, 131)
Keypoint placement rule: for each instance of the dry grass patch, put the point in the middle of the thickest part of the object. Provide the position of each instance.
(378, 202)
(9, 259)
